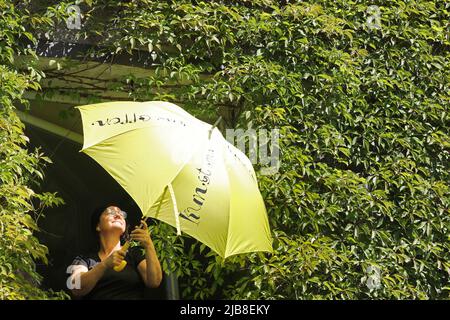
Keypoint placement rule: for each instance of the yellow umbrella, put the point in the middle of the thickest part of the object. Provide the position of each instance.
(179, 170)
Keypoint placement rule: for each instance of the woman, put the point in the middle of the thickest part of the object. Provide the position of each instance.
(93, 277)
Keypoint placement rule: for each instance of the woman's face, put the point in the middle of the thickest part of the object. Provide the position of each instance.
(112, 219)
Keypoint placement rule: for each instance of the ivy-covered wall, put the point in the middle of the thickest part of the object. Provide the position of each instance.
(20, 171)
(360, 93)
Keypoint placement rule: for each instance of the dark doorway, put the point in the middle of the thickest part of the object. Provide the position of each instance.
(83, 185)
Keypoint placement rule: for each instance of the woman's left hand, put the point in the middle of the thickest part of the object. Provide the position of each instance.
(141, 235)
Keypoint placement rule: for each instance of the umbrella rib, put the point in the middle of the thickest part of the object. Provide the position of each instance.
(213, 126)
(175, 209)
(160, 202)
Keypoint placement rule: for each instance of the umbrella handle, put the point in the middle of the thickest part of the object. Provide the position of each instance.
(123, 263)
(121, 266)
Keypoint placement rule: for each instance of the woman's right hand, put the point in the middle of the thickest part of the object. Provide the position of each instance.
(115, 259)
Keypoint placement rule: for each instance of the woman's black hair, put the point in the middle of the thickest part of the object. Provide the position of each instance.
(95, 219)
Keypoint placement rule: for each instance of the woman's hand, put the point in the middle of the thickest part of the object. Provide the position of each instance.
(115, 259)
(141, 235)
(149, 268)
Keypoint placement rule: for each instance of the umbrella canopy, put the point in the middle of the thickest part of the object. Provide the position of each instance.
(179, 170)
